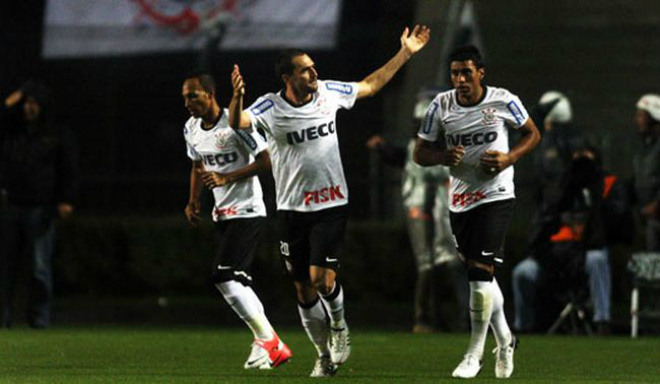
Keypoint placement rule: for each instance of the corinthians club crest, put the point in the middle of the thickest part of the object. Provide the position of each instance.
(489, 116)
(221, 139)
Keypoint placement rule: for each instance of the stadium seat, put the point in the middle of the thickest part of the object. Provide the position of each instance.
(645, 268)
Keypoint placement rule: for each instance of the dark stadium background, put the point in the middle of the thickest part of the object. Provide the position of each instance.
(128, 115)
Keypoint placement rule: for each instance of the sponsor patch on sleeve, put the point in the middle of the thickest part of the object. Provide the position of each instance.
(247, 139)
(516, 112)
(430, 115)
(345, 89)
(262, 107)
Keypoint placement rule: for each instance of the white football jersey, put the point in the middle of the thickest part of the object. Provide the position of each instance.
(303, 146)
(222, 149)
(478, 128)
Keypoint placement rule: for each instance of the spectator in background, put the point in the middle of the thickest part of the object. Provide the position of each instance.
(38, 183)
(646, 164)
(573, 239)
(425, 194)
(553, 115)
(559, 140)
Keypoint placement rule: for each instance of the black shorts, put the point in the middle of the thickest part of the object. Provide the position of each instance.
(480, 232)
(311, 238)
(236, 241)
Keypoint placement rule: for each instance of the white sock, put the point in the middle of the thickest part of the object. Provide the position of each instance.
(481, 309)
(248, 307)
(314, 321)
(498, 322)
(334, 304)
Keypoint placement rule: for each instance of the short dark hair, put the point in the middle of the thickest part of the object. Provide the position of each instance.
(465, 53)
(205, 80)
(284, 62)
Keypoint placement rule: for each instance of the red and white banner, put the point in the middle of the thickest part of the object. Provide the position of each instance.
(92, 28)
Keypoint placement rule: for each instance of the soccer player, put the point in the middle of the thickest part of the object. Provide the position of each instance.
(466, 129)
(226, 161)
(299, 123)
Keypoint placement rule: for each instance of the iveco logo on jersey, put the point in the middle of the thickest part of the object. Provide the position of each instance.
(323, 195)
(311, 133)
(220, 158)
(468, 139)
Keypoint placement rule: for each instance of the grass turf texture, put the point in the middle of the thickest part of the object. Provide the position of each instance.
(202, 355)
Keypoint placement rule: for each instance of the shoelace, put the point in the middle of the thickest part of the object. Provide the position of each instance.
(470, 360)
(502, 352)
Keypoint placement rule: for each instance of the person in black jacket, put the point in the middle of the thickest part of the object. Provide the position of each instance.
(646, 164)
(38, 182)
(573, 240)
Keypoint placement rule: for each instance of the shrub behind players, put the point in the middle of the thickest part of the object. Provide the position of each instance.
(466, 129)
(227, 161)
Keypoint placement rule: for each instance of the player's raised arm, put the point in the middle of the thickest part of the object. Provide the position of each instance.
(238, 119)
(411, 43)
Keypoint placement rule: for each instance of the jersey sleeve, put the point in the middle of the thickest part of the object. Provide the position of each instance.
(251, 140)
(261, 113)
(431, 126)
(515, 115)
(342, 94)
(190, 150)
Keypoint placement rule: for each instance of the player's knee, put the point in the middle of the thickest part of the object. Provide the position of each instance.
(321, 284)
(476, 273)
(305, 292)
(220, 276)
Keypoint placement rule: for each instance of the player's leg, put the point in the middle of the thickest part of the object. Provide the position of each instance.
(491, 231)
(326, 240)
(315, 321)
(294, 249)
(237, 241)
(480, 237)
(462, 227)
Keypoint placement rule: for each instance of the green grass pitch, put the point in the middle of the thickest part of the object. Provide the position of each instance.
(207, 355)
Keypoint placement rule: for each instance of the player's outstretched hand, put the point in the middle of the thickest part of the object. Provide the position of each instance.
(214, 179)
(493, 162)
(453, 155)
(415, 40)
(237, 81)
(192, 213)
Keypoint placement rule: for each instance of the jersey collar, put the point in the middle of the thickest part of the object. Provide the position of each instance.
(201, 122)
(282, 94)
(482, 98)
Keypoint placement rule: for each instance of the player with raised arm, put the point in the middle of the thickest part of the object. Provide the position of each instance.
(466, 129)
(227, 162)
(300, 127)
